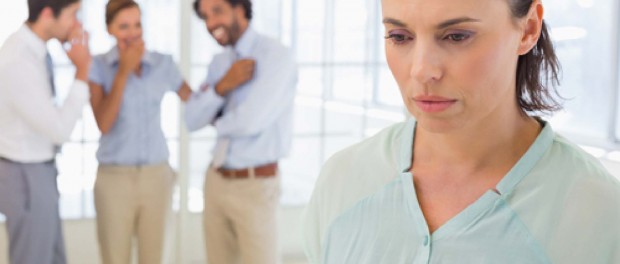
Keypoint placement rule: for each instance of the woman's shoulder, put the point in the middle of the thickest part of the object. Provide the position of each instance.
(568, 171)
(348, 177)
(363, 168)
(566, 198)
(378, 151)
(582, 203)
(576, 163)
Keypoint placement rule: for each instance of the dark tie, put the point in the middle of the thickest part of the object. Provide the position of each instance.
(236, 56)
(50, 71)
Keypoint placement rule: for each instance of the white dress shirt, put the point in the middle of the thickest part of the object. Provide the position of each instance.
(256, 126)
(30, 122)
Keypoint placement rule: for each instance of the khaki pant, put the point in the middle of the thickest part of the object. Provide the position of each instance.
(240, 219)
(132, 201)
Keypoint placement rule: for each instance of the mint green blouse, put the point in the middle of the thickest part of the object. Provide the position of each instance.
(556, 205)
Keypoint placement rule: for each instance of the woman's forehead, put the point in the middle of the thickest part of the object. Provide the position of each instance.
(435, 12)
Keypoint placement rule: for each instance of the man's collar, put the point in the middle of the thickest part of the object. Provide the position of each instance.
(244, 45)
(37, 45)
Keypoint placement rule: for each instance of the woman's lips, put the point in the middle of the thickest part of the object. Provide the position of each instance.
(433, 104)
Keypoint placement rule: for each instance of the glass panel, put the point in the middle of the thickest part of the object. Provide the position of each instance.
(88, 126)
(310, 81)
(266, 17)
(388, 91)
(310, 29)
(351, 31)
(344, 124)
(286, 25)
(76, 175)
(199, 159)
(301, 169)
(161, 25)
(170, 115)
(12, 16)
(584, 31)
(307, 116)
(93, 19)
(352, 83)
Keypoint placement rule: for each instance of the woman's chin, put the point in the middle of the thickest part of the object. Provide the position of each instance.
(437, 125)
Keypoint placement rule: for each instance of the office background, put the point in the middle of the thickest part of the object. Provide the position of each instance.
(346, 93)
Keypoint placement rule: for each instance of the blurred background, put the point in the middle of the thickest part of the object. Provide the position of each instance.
(346, 93)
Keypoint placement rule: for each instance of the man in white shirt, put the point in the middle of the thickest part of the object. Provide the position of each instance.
(32, 127)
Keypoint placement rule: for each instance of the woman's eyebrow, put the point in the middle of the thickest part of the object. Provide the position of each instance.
(441, 25)
(454, 21)
(394, 22)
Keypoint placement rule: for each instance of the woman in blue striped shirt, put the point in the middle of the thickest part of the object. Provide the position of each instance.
(134, 180)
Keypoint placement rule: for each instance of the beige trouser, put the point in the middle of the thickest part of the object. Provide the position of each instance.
(240, 219)
(132, 200)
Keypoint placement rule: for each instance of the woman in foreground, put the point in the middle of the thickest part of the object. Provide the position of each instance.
(475, 176)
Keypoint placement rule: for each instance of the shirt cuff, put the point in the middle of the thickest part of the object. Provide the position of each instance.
(80, 90)
(210, 93)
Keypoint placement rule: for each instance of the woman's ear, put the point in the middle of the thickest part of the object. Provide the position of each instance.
(531, 28)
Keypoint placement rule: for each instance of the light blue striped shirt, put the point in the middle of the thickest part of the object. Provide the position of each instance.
(556, 205)
(257, 116)
(136, 137)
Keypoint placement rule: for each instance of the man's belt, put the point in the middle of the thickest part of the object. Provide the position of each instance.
(263, 171)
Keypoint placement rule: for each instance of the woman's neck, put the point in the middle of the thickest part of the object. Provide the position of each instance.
(490, 143)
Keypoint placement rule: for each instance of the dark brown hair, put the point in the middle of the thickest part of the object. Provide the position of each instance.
(115, 6)
(247, 6)
(538, 70)
(36, 6)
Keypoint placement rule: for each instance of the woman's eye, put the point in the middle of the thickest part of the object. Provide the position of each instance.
(398, 38)
(457, 37)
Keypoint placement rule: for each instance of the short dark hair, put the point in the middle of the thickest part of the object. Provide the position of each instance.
(113, 7)
(247, 6)
(537, 69)
(36, 6)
